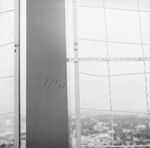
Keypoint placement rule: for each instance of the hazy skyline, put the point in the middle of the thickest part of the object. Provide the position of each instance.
(123, 28)
(127, 92)
(7, 56)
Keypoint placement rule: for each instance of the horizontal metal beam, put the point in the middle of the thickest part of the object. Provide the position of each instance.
(108, 59)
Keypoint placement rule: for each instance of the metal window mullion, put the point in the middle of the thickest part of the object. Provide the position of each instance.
(76, 72)
(17, 76)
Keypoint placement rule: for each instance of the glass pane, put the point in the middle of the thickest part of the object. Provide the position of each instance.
(94, 92)
(90, 2)
(122, 4)
(95, 128)
(131, 129)
(7, 131)
(124, 50)
(6, 5)
(126, 67)
(145, 23)
(6, 95)
(119, 29)
(91, 23)
(7, 61)
(128, 93)
(92, 49)
(144, 5)
(6, 28)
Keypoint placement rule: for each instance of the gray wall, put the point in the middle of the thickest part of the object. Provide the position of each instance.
(47, 117)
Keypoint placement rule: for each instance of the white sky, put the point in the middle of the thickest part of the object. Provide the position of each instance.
(7, 56)
(128, 92)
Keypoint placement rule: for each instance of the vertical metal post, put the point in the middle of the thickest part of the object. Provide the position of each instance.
(76, 72)
(17, 76)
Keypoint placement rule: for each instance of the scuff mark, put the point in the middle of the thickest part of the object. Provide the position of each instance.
(46, 81)
(50, 84)
(64, 86)
(54, 84)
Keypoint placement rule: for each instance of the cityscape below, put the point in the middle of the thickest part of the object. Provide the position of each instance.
(96, 131)
(7, 131)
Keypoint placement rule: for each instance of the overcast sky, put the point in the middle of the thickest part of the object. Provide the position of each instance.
(127, 92)
(7, 56)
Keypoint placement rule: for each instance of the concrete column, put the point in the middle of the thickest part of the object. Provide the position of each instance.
(47, 113)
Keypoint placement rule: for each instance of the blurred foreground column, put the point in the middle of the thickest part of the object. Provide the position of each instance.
(47, 117)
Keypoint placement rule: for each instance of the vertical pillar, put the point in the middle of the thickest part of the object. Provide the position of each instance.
(17, 76)
(76, 70)
(47, 111)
